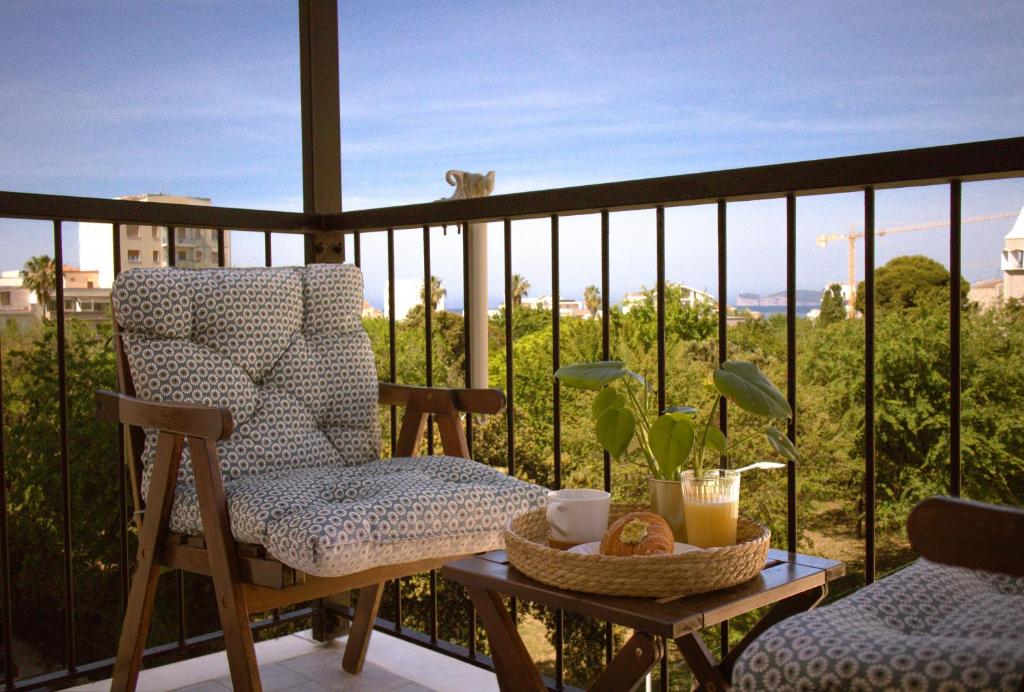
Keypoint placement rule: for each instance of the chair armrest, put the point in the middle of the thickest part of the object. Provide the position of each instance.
(440, 400)
(969, 534)
(193, 420)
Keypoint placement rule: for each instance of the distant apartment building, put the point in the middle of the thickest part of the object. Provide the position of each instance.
(567, 307)
(992, 292)
(147, 246)
(1012, 262)
(691, 297)
(83, 297)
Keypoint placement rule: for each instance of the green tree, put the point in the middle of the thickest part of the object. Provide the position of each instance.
(592, 299)
(520, 288)
(437, 292)
(39, 275)
(833, 308)
(912, 281)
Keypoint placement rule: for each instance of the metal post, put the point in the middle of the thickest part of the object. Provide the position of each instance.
(475, 185)
(321, 123)
(476, 235)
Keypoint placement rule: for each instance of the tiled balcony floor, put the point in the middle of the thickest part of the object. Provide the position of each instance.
(298, 664)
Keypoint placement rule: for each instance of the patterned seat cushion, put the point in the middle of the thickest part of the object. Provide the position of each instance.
(284, 349)
(341, 519)
(926, 627)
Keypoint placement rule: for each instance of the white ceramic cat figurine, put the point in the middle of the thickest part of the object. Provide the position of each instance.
(470, 184)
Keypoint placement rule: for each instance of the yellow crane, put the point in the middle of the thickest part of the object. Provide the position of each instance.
(853, 235)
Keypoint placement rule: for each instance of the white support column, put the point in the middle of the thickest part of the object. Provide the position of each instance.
(475, 185)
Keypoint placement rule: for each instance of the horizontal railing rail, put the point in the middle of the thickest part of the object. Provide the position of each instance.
(1000, 158)
(946, 165)
(26, 205)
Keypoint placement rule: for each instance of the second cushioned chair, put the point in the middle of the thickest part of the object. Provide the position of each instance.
(252, 398)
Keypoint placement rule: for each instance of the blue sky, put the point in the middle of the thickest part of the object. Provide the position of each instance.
(201, 98)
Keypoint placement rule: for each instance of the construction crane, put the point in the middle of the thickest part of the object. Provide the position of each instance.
(853, 235)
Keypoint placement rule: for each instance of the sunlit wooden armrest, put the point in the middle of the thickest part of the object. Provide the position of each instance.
(969, 534)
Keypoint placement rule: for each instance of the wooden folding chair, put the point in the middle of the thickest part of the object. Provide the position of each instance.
(246, 578)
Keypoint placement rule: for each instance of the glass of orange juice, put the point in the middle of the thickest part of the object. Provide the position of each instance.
(711, 503)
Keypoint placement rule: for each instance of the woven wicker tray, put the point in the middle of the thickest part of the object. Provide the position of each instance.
(651, 576)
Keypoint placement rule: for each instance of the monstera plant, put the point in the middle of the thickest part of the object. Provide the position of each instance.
(681, 437)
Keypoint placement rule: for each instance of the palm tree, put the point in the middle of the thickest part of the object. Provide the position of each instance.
(39, 275)
(520, 288)
(592, 300)
(437, 292)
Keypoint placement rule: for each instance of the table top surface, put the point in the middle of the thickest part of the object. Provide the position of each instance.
(784, 575)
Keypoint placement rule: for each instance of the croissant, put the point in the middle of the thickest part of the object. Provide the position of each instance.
(638, 533)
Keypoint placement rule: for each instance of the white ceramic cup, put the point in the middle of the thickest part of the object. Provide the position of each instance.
(578, 515)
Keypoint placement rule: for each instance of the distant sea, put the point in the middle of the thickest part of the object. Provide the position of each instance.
(801, 310)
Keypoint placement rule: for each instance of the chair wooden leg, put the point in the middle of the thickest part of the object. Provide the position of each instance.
(135, 628)
(222, 551)
(362, 627)
(139, 609)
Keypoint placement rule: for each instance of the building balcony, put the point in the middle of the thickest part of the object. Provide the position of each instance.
(66, 535)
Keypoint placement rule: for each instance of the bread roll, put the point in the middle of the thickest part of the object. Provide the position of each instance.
(638, 533)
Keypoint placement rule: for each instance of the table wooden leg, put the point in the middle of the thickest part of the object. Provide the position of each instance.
(512, 661)
(702, 663)
(630, 665)
(797, 603)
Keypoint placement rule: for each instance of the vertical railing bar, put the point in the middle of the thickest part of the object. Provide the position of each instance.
(268, 252)
(955, 341)
(5, 553)
(791, 365)
(398, 603)
(869, 384)
(609, 640)
(433, 606)
(357, 248)
(723, 355)
(65, 451)
(342, 246)
(605, 324)
(661, 288)
(556, 409)
(221, 248)
(392, 352)
(467, 328)
(172, 247)
(510, 407)
(428, 310)
(179, 581)
(122, 476)
(467, 345)
(510, 397)
(392, 376)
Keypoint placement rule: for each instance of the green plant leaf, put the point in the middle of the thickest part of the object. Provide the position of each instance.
(591, 375)
(615, 429)
(780, 443)
(606, 399)
(671, 439)
(744, 384)
(687, 410)
(716, 441)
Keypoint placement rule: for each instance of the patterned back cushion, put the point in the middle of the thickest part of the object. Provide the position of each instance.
(283, 348)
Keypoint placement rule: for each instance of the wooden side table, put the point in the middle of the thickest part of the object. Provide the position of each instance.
(791, 581)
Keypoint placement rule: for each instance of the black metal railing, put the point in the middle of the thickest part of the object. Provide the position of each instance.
(948, 165)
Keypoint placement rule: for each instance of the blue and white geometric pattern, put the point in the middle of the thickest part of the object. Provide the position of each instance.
(926, 627)
(284, 349)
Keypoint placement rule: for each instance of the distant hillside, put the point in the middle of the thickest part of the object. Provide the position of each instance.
(754, 300)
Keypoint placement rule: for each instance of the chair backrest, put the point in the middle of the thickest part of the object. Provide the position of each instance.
(283, 348)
